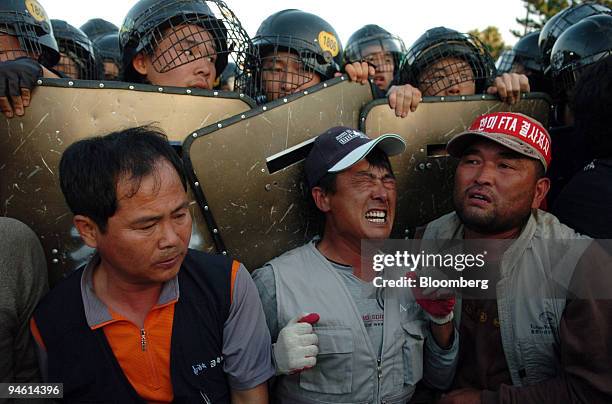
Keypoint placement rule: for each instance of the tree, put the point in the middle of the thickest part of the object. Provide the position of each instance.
(492, 39)
(537, 12)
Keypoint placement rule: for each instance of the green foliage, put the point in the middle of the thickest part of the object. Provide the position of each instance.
(492, 39)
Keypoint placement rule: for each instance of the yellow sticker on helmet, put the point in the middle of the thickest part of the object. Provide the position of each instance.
(36, 10)
(328, 42)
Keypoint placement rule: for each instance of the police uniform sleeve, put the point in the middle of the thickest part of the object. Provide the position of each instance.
(247, 350)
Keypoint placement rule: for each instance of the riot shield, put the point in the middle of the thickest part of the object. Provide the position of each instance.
(247, 170)
(424, 171)
(63, 111)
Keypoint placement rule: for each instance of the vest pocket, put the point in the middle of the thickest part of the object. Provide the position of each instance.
(333, 372)
(412, 352)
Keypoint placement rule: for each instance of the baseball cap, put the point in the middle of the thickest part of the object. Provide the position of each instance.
(340, 147)
(515, 131)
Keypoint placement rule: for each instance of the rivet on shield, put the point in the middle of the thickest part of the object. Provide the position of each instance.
(216, 93)
(263, 170)
(131, 87)
(241, 95)
(188, 91)
(224, 252)
(39, 82)
(197, 184)
(101, 85)
(421, 166)
(325, 85)
(71, 83)
(483, 96)
(160, 89)
(55, 260)
(219, 125)
(54, 251)
(205, 207)
(265, 108)
(194, 135)
(441, 98)
(305, 92)
(422, 150)
(284, 100)
(341, 77)
(428, 165)
(242, 116)
(406, 231)
(268, 187)
(215, 231)
(463, 98)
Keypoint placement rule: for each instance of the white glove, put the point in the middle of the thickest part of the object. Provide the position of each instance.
(296, 346)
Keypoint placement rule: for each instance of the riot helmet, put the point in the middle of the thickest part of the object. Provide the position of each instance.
(379, 48)
(27, 21)
(504, 62)
(227, 80)
(443, 60)
(77, 55)
(174, 33)
(524, 58)
(294, 47)
(109, 54)
(562, 21)
(581, 45)
(97, 27)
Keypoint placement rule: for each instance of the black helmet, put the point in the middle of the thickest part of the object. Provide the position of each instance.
(312, 40)
(504, 62)
(28, 21)
(371, 39)
(579, 46)
(98, 27)
(562, 21)
(143, 28)
(108, 51)
(525, 58)
(440, 43)
(78, 58)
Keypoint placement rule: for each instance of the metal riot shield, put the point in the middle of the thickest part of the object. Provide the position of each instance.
(425, 173)
(63, 111)
(247, 170)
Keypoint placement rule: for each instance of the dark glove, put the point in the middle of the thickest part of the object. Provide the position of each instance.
(17, 78)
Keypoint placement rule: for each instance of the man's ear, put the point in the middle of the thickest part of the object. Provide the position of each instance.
(321, 199)
(541, 190)
(138, 63)
(88, 230)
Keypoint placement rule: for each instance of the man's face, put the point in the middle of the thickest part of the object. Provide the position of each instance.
(495, 188)
(363, 206)
(283, 74)
(147, 238)
(383, 63)
(111, 70)
(448, 76)
(10, 48)
(68, 66)
(185, 57)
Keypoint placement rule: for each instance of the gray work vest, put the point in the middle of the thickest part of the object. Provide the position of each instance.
(529, 305)
(347, 369)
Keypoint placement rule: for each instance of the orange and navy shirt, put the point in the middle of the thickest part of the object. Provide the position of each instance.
(144, 353)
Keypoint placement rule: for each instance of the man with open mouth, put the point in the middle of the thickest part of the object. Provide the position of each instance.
(335, 340)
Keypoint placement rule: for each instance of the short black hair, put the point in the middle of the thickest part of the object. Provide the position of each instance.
(376, 158)
(591, 107)
(91, 168)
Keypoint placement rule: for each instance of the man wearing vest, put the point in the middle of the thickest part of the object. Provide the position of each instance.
(362, 348)
(524, 345)
(147, 319)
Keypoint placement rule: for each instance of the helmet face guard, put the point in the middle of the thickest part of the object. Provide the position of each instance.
(439, 61)
(286, 64)
(383, 52)
(109, 54)
(77, 55)
(27, 21)
(174, 33)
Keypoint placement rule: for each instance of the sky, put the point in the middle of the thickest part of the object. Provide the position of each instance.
(406, 18)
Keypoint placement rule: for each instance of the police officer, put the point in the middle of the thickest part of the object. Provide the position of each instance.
(109, 55)
(77, 55)
(184, 43)
(28, 51)
(444, 62)
(525, 58)
(298, 50)
(379, 48)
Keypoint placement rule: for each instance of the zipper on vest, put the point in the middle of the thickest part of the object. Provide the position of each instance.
(143, 339)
